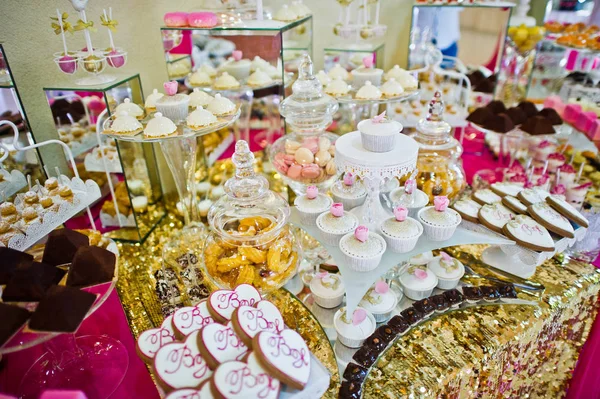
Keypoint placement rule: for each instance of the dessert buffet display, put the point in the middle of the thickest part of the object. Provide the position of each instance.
(578, 36)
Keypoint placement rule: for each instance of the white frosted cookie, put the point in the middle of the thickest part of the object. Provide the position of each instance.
(551, 219)
(529, 234)
(468, 209)
(486, 196)
(495, 216)
(530, 196)
(503, 189)
(567, 210)
(514, 204)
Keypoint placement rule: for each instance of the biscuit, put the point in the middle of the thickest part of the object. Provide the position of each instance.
(468, 209)
(545, 215)
(486, 196)
(495, 216)
(529, 234)
(514, 204)
(567, 210)
(530, 196)
(503, 189)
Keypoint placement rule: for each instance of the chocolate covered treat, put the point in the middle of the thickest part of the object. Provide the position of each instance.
(10, 260)
(551, 115)
(412, 315)
(386, 333)
(365, 356)
(91, 266)
(61, 310)
(480, 116)
(529, 108)
(354, 372)
(472, 294)
(517, 115)
(485, 86)
(475, 77)
(537, 125)
(507, 291)
(62, 245)
(496, 106)
(490, 293)
(376, 342)
(500, 123)
(399, 324)
(424, 306)
(440, 302)
(454, 296)
(13, 318)
(350, 390)
(30, 283)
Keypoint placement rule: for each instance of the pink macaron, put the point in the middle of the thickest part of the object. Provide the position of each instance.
(176, 19)
(202, 19)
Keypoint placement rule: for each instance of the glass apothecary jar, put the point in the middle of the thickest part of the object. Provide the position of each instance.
(250, 239)
(439, 162)
(305, 157)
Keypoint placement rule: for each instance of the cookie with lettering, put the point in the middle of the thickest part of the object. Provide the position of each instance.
(187, 394)
(503, 189)
(222, 303)
(530, 196)
(191, 318)
(528, 233)
(219, 344)
(206, 390)
(548, 217)
(514, 204)
(567, 210)
(180, 365)
(239, 380)
(284, 355)
(495, 216)
(247, 321)
(486, 197)
(467, 209)
(150, 341)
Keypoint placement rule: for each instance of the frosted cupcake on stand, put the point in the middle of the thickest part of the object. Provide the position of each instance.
(439, 222)
(401, 232)
(327, 289)
(311, 205)
(410, 197)
(379, 133)
(172, 105)
(349, 192)
(353, 332)
(380, 300)
(448, 270)
(362, 250)
(365, 73)
(335, 224)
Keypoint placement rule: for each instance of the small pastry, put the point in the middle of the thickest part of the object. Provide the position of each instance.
(226, 82)
(202, 19)
(208, 69)
(379, 134)
(173, 105)
(349, 192)
(130, 108)
(221, 106)
(285, 14)
(354, 331)
(311, 205)
(237, 66)
(323, 78)
(391, 88)
(200, 78)
(8, 211)
(199, 98)
(150, 103)
(362, 250)
(401, 232)
(406, 80)
(46, 202)
(327, 290)
(176, 19)
(336, 223)
(368, 92)
(30, 198)
(338, 72)
(6, 232)
(140, 203)
(65, 193)
(337, 87)
(380, 300)
(29, 215)
(259, 63)
(448, 270)
(259, 78)
(417, 282)
(160, 126)
(200, 118)
(124, 124)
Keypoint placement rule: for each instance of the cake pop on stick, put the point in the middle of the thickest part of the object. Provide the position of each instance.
(114, 58)
(91, 63)
(66, 63)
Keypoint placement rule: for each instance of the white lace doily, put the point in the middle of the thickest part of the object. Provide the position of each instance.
(351, 156)
(12, 183)
(93, 163)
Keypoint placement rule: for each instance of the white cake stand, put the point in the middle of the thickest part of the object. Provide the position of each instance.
(374, 169)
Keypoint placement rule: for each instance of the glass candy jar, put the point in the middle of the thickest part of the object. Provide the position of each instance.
(250, 239)
(305, 157)
(439, 163)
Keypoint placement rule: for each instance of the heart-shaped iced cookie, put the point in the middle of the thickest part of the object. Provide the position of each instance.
(233, 380)
(180, 365)
(219, 344)
(545, 215)
(503, 189)
(247, 321)
(187, 394)
(529, 233)
(486, 197)
(222, 303)
(191, 318)
(150, 341)
(284, 355)
(530, 196)
(495, 216)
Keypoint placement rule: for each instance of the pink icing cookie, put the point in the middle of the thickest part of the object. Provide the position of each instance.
(285, 356)
(180, 364)
(150, 341)
(220, 344)
(185, 394)
(247, 321)
(202, 19)
(191, 318)
(222, 303)
(233, 380)
(176, 19)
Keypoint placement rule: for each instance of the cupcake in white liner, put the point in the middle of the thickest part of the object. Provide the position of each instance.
(439, 222)
(237, 66)
(173, 106)
(327, 289)
(417, 282)
(335, 224)
(311, 205)
(421, 259)
(448, 270)
(380, 300)
(367, 72)
(410, 197)
(353, 332)
(349, 192)
(362, 250)
(401, 232)
(379, 133)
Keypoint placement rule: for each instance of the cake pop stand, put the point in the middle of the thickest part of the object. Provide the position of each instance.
(180, 153)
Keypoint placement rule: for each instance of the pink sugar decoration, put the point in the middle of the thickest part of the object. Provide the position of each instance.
(348, 179)
(312, 192)
(337, 209)
(237, 55)
(379, 118)
(368, 61)
(381, 287)
(400, 213)
(358, 316)
(361, 233)
(170, 87)
(420, 274)
(445, 257)
(322, 275)
(441, 203)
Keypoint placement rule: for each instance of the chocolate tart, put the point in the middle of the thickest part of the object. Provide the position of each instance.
(425, 306)
(351, 390)
(355, 372)
(455, 297)
(365, 356)
(489, 293)
(412, 315)
(472, 294)
(440, 302)
(399, 324)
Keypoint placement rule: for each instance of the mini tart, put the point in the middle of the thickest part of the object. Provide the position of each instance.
(130, 108)
(337, 87)
(199, 98)
(160, 126)
(468, 209)
(495, 216)
(221, 106)
(392, 88)
(259, 78)
(200, 78)
(200, 118)
(503, 189)
(567, 210)
(528, 233)
(368, 92)
(225, 82)
(514, 204)
(150, 103)
(530, 196)
(548, 217)
(124, 124)
(486, 197)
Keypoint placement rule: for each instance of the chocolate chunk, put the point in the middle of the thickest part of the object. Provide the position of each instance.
(472, 293)
(412, 315)
(399, 324)
(507, 291)
(440, 302)
(489, 293)
(517, 115)
(30, 283)
(91, 266)
(350, 389)
(13, 318)
(454, 296)
(496, 106)
(551, 115)
(62, 245)
(480, 116)
(62, 309)
(10, 260)
(500, 123)
(424, 306)
(365, 356)
(354, 372)
(537, 125)
(529, 108)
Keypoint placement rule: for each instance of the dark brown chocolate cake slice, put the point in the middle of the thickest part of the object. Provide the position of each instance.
(398, 324)
(91, 266)
(529, 108)
(10, 260)
(517, 115)
(551, 115)
(496, 107)
(62, 309)
(13, 318)
(62, 245)
(30, 283)
(537, 125)
(480, 116)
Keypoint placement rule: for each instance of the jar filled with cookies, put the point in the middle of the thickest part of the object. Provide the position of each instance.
(305, 156)
(250, 241)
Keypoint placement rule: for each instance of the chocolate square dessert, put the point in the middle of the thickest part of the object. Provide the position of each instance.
(62, 309)
(354, 372)
(424, 306)
(480, 116)
(440, 302)
(454, 296)
(62, 245)
(500, 123)
(537, 125)
(386, 333)
(496, 106)
(365, 356)
(399, 324)
(507, 291)
(517, 115)
(91, 266)
(29, 283)
(472, 294)
(412, 315)
(10, 260)
(529, 108)
(13, 318)
(350, 389)
(551, 115)
(490, 293)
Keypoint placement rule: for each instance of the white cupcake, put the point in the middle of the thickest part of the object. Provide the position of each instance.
(200, 118)
(400, 232)
(335, 224)
(226, 82)
(327, 289)
(337, 87)
(380, 300)
(379, 133)
(439, 221)
(150, 103)
(368, 92)
(349, 192)
(132, 109)
(173, 106)
(367, 72)
(200, 78)
(391, 88)
(353, 331)
(448, 270)
(221, 105)
(410, 197)
(417, 282)
(311, 205)
(199, 98)
(362, 250)
(338, 71)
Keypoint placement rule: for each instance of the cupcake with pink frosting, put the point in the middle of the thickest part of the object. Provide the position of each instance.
(439, 222)
(401, 232)
(335, 224)
(362, 250)
(172, 105)
(555, 161)
(311, 205)
(349, 191)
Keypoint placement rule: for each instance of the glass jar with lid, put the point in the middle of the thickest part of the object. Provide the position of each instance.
(439, 161)
(250, 240)
(305, 157)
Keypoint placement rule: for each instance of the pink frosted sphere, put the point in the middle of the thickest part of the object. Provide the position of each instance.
(67, 64)
(115, 59)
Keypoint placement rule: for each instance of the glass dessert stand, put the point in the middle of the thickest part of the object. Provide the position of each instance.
(180, 153)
